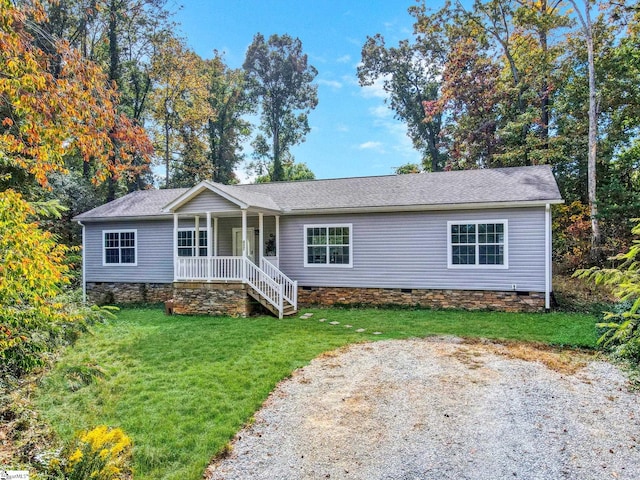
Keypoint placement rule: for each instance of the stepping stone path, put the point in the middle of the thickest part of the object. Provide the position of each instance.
(360, 330)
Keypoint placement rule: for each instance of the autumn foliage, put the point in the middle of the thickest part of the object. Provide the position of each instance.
(52, 104)
(57, 104)
(32, 273)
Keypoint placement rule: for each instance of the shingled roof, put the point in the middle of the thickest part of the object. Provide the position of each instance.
(455, 189)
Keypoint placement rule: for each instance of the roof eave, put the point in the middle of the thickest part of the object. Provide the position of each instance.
(163, 216)
(417, 208)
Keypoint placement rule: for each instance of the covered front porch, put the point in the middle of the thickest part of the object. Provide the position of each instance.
(222, 239)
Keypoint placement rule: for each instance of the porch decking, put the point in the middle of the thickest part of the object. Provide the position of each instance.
(267, 284)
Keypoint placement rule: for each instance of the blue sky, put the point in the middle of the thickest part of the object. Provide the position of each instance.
(352, 133)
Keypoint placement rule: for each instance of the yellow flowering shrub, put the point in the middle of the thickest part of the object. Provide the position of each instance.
(100, 454)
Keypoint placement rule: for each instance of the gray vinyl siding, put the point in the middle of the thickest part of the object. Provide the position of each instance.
(390, 250)
(208, 201)
(155, 247)
(154, 252)
(409, 250)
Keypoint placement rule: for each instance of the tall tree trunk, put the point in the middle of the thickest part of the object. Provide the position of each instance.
(278, 173)
(593, 144)
(114, 77)
(166, 151)
(544, 101)
(585, 21)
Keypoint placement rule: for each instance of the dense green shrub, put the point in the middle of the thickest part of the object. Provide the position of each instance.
(622, 325)
(37, 313)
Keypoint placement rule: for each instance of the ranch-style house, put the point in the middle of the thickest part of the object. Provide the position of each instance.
(475, 239)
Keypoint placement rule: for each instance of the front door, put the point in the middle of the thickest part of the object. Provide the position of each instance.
(251, 243)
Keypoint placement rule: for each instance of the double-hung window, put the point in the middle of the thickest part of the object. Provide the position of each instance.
(119, 247)
(328, 245)
(481, 244)
(187, 244)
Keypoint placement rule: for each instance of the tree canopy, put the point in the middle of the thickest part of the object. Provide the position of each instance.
(279, 79)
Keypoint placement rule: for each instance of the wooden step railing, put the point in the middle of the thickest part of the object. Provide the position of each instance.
(263, 284)
(266, 280)
(290, 287)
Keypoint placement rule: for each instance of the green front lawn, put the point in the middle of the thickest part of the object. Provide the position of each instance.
(181, 387)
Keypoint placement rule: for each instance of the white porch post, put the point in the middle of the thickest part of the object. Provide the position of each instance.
(278, 238)
(209, 246)
(261, 234)
(244, 233)
(175, 247)
(215, 237)
(196, 234)
(244, 245)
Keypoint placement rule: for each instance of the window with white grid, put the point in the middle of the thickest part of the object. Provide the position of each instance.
(120, 247)
(475, 244)
(328, 245)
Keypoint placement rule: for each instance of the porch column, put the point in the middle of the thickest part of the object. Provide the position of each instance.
(208, 245)
(175, 247)
(261, 234)
(196, 240)
(278, 238)
(244, 245)
(215, 237)
(244, 233)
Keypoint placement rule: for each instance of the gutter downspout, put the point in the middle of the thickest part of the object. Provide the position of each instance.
(547, 257)
(84, 270)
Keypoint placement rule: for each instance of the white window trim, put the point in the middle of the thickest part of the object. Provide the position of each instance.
(193, 230)
(478, 266)
(327, 226)
(135, 248)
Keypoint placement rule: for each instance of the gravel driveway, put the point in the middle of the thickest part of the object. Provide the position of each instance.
(441, 409)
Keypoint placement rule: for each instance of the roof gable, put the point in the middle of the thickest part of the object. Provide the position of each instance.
(230, 193)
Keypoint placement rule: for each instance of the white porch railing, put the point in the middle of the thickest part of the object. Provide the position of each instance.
(273, 285)
(268, 288)
(290, 287)
(209, 268)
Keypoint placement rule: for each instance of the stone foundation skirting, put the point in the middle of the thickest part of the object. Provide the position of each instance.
(438, 299)
(203, 298)
(103, 293)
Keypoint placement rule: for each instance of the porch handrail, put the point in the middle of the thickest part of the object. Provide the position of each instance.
(290, 287)
(267, 279)
(267, 287)
(209, 268)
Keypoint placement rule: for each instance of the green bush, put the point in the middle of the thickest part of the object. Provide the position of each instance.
(622, 325)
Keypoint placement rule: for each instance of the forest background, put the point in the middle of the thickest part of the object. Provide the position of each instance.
(96, 95)
(99, 98)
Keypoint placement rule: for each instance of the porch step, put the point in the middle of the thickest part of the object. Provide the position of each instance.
(288, 308)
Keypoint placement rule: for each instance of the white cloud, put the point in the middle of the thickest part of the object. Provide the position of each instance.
(376, 90)
(371, 146)
(330, 83)
(381, 112)
(351, 80)
(342, 127)
(344, 59)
